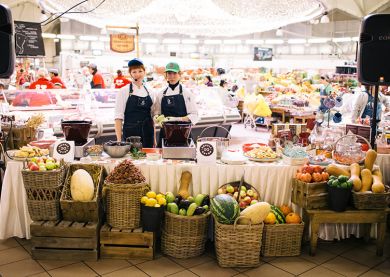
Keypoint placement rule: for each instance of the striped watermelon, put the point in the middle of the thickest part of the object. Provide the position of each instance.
(280, 218)
(225, 208)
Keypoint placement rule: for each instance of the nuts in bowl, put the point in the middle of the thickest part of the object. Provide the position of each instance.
(95, 150)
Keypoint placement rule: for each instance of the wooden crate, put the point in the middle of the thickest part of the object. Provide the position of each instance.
(126, 243)
(64, 240)
(309, 195)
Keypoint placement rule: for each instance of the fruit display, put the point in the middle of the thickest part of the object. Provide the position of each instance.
(125, 173)
(43, 164)
(189, 206)
(225, 208)
(340, 182)
(151, 199)
(247, 195)
(81, 186)
(312, 174)
(261, 153)
(282, 215)
(30, 151)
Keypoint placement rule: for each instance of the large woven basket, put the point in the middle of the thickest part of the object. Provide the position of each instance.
(182, 247)
(371, 201)
(87, 211)
(123, 204)
(186, 226)
(44, 179)
(238, 245)
(282, 240)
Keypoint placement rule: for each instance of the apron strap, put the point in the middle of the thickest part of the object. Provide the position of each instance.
(165, 91)
(180, 89)
(146, 90)
(131, 89)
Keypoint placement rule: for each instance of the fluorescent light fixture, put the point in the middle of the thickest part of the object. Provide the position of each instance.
(254, 41)
(279, 32)
(97, 52)
(344, 39)
(325, 18)
(56, 40)
(171, 41)
(296, 41)
(318, 40)
(97, 45)
(48, 35)
(88, 38)
(104, 38)
(190, 41)
(355, 38)
(66, 36)
(232, 41)
(274, 41)
(149, 40)
(212, 41)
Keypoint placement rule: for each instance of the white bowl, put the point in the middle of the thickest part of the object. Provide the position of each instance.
(153, 156)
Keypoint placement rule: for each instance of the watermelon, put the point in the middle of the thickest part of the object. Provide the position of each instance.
(225, 208)
(280, 218)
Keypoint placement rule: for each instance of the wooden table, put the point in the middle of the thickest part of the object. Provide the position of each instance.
(349, 216)
(283, 111)
(303, 118)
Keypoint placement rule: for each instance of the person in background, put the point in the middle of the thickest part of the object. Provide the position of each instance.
(43, 81)
(120, 81)
(363, 105)
(97, 79)
(325, 91)
(55, 79)
(175, 102)
(208, 82)
(133, 107)
(20, 78)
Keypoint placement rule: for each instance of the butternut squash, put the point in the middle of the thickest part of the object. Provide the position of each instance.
(355, 177)
(377, 184)
(366, 180)
(185, 181)
(335, 170)
(370, 159)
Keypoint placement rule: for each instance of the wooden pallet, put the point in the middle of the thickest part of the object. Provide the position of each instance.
(309, 195)
(64, 240)
(126, 243)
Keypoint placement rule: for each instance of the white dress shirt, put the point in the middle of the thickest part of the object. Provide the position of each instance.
(189, 100)
(123, 95)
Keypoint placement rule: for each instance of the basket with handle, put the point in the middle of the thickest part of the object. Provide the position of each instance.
(231, 238)
(345, 157)
(222, 143)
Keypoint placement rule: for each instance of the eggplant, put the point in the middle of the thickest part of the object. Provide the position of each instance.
(178, 199)
(199, 211)
(206, 201)
(184, 204)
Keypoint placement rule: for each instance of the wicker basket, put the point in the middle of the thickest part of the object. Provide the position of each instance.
(123, 204)
(44, 179)
(182, 247)
(238, 245)
(371, 201)
(186, 226)
(87, 211)
(282, 240)
(44, 203)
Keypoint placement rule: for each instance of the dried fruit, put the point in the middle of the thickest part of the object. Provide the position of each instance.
(125, 173)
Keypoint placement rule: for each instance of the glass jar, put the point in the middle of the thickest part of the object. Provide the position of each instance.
(135, 142)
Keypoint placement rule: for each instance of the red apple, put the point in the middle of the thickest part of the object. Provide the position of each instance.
(242, 194)
(250, 192)
(243, 205)
(247, 200)
(34, 167)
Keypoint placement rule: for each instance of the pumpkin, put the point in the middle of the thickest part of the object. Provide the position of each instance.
(293, 218)
(355, 177)
(298, 175)
(185, 181)
(377, 184)
(325, 176)
(270, 219)
(370, 159)
(81, 186)
(317, 177)
(317, 169)
(366, 180)
(335, 170)
(285, 209)
(256, 213)
(306, 177)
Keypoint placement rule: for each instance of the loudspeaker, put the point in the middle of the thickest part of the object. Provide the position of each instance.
(374, 50)
(7, 44)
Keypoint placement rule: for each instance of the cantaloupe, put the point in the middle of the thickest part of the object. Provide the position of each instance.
(81, 186)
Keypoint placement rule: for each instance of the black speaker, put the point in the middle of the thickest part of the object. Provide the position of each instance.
(7, 45)
(374, 50)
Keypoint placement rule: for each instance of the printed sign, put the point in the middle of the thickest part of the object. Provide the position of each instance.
(206, 152)
(64, 149)
(121, 43)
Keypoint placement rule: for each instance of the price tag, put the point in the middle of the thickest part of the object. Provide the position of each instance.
(206, 152)
(64, 149)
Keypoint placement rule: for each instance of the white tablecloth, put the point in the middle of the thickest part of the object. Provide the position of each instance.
(383, 160)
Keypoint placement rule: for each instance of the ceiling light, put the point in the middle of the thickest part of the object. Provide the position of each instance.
(343, 39)
(254, 41)
(316, 21)
(296, 41)
(56, 40)
(91, 38)
(171, 41)
(274, 41)
(66, 36)
(325, 18)
(149, 40)
(212, 41)
(48, 35)
(190, 41)
(355, 39)
(279, 32)
(318, 40)
(231, 41)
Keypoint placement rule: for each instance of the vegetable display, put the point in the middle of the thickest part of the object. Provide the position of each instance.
(225, 208)
(125, 173)
(191, 206)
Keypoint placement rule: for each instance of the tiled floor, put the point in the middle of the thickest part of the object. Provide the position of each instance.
(353, 257)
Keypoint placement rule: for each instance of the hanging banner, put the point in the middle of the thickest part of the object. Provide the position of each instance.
(28, 39)
(122, 43)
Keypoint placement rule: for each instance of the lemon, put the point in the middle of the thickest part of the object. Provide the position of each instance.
(157, 206)
(162, 201)
(158, 196)
(151, 202)
(151, 194)
(144, 199)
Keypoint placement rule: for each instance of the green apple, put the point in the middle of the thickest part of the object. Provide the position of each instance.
(230, 189)
(42, 168)
(254, 201)
(242, 194)
(249, 192)
(34, 160)
(243, 188)
(50, 166)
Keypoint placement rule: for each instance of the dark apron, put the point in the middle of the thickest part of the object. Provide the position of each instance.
(138, 120)
(369, 108)
(173, 105)
(322, 107)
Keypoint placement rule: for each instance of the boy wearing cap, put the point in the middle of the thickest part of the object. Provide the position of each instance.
(133, 108)
(97, 79)
(175, 102)
(120, 81)
(55, 79)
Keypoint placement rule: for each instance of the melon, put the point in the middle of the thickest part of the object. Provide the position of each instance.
(225, 208)
(81, 186)
(280, 218)
(256, 213)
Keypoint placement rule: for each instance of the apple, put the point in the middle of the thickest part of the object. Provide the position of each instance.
(34, 167)
(50, 166)
(221, 191)
(242, 194)
(42, 168)
(34, 160)
(254, 201)
(243, 205)
(235, 188)
(50, 159)
(230, 189)
(243, 188)
(255, 195)
(249, 192)
(247, 200)
(235, 195)
(30, 164)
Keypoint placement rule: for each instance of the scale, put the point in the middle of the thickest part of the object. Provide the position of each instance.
(81, 150)
(185, 151)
